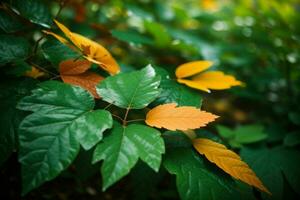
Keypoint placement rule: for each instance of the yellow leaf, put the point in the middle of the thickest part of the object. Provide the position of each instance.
(96, 53)
(216, 80)
(58, 37)
(178, 118)
(91, 50)
(205, 81)
(228, 161)
(75, 73)
(193, 84)
(192, 68)
(34, 73)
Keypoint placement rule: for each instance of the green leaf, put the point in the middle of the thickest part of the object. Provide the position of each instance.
(131, 37)
(10, 93)
(121, 149)
(134, 90)
(159, 32)
(176, 139)
(13, 49)
(173, 92)
(8, 23)
(89, 127)
(292, 139)
(225, 132)
(56, 52)
(243, 134)
(148, 142)
(269, 164)
(119, 155)
(196, 178)
(35, 11)
(18, 68)
(249, 134)
(50, 137)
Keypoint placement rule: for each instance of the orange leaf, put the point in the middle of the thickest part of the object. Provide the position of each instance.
(181, 118)
(75, 73)
(228, 161)
(71, 67)
(92, 51)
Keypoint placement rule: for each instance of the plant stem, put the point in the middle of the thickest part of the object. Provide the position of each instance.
(125, 117)
(117, 117)
(43, 69)
(135, 120)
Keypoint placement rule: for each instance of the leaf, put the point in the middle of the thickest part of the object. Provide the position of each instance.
(18, 68)
(35, 11)
(195, 178)
(228, 161)
(192, 68)
(271, 164)
(292, 139)
(131, 37)
(264, 162)
(178, 118)
(75, 73)
(172, 92)
(193, 84)
(121, 149)
(91, 50)
(205, 81)
(34, 73)
(225, 132)
(149, 144)
(134, 90)
(8, 23)
(216, 80)
(159, 32)
(243, 134)
(13, 49)
(50, 137)
(11, 90)
(56, 52)
(250, 134)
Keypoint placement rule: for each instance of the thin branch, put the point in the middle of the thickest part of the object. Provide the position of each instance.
(117, 117)
(125, 117)
(135, 120)
(106, 107)
(62, 4)
(43, 69)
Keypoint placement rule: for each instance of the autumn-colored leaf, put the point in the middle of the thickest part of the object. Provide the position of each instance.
(73, 67)
(34, 73)
(228, 161)
(181, 118)
(216, 80)
(75, 73)
(91, 50)
(192, 68)
(204, 81)
(193, 84)
(58, 37)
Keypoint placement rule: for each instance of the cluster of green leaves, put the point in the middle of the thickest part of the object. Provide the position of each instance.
(50, 125)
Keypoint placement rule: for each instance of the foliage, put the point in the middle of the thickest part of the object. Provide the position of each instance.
(126, 86)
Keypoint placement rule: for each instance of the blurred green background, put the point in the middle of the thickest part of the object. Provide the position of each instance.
(257, 41)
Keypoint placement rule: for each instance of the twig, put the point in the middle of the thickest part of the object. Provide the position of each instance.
(125, 117)
(117, 117)
(43, 69)
(106, 107)
(135, 120)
